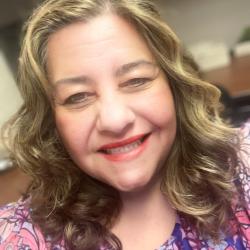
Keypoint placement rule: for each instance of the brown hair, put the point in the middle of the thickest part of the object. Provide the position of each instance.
(65, 202)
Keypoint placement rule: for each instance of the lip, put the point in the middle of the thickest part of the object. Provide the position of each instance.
(127, 156)
(122, 143)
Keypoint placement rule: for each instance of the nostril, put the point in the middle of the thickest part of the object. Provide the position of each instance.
(115, 118)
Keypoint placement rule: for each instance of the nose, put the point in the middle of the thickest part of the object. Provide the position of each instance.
(114, 115)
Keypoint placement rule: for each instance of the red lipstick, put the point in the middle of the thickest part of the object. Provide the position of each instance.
(125, 150)
(123, 142)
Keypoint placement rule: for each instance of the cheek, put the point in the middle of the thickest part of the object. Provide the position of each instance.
(164, 106)
(73, 130)
(163, 111)
(158, 107)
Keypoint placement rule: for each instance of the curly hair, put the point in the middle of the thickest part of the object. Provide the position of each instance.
(66, 203)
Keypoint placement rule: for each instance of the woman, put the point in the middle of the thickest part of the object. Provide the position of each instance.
(122, 139)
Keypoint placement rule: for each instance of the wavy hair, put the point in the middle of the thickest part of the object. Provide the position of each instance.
(68, 204)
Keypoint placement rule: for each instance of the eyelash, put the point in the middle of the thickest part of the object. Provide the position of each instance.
(77, 98)
(84, 97)
(136, 82)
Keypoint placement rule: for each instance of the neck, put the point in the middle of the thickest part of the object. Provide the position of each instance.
(143, 213)
(145, 200)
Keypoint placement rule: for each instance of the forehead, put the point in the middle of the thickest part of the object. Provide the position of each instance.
(106, 39)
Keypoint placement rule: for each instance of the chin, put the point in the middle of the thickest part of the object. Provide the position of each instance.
(132, 185)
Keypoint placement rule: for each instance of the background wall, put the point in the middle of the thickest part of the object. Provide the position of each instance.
(198, 20)
(10, 99)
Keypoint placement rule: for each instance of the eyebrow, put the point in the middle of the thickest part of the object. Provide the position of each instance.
(76, 79)
(124, 69)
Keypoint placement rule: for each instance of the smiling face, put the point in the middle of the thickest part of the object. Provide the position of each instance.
(113, 107)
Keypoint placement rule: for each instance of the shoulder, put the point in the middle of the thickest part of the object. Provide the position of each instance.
(244, 151)
(241, 205)
(243, 168)
(17, 230)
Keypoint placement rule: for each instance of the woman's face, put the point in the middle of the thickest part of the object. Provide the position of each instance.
(113, 107)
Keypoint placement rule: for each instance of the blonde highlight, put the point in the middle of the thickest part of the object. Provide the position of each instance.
(198, 180)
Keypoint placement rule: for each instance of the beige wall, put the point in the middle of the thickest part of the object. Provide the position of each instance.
(199, 20)
(10, 98)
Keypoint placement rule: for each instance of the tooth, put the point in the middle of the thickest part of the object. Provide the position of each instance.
(124, 149)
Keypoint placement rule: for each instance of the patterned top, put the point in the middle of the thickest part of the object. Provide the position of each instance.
(18, 233)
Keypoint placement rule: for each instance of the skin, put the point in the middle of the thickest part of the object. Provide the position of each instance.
(107, 88)
(113, 109)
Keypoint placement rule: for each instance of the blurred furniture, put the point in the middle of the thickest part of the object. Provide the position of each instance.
(237, 108)
(235, 78)
(240, 109)
(12, 11)
(13, 183)
(234, 82)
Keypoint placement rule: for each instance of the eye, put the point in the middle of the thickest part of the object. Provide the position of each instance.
(78, 98)
(136, 82)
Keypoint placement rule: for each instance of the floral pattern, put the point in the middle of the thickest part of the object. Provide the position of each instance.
(18, 233)
(16, 230)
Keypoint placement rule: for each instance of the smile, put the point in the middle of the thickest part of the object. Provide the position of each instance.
(125, 150)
